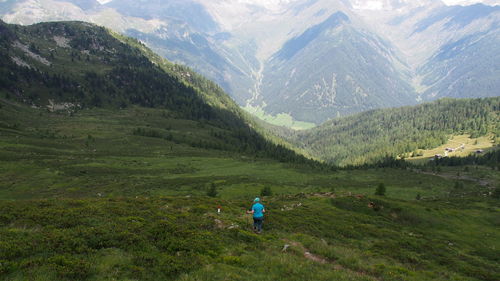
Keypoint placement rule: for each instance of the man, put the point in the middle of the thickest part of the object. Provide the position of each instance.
(258, 215)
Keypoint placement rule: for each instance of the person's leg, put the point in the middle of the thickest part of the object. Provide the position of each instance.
(255, 224)
(259, 224)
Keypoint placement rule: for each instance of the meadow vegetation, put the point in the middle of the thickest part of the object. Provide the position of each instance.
(113, 163)
(87, 197)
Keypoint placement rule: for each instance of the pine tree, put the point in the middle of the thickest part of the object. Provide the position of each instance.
(212, 191)
(496, 193)
(266, 191)
(380, 189)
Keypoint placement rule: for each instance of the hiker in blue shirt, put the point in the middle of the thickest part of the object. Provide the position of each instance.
(258, 214)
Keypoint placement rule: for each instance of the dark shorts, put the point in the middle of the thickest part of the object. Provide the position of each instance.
(257, 223)
(258, 220)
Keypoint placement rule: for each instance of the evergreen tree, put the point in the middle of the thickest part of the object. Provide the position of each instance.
(266, 191)
(458, 185)
(496, 193)
(380, 189)
(212, 191)
(402, 132)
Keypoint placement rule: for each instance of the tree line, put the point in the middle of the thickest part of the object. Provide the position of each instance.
(124, 73)
(375, 135)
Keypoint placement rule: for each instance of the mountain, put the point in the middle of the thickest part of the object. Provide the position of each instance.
(71, 66)
(357, 74)
(465, 66)
(310, 60)
(449, 48)
(372, 136)
(109, 154)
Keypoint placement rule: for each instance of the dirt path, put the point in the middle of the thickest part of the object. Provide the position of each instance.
(322, 260)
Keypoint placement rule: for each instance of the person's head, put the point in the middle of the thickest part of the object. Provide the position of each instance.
(256, 200)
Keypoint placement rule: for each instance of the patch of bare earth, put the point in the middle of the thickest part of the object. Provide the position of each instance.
(322, 260)
(20, 62)
(28, 52)
(62, 42)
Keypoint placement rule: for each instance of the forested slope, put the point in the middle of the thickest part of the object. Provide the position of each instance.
(107, 160)
(374, 135)
(74, 65)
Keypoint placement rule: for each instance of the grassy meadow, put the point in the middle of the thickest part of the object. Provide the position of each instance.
(88, 196)
(282, 119)
(471, 145)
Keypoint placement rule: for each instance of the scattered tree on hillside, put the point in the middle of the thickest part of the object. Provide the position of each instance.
(212, 191)
(380, 189)
(458, 185)
(496, 193)
(266, 191)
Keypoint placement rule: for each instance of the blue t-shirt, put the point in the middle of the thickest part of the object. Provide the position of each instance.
(257, 209)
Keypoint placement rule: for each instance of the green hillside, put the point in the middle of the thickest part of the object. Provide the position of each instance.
(462, 145)
(118, 189)
(398, 132)
(68, 66)
(88, 198)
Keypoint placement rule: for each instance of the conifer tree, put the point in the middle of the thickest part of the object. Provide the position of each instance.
(266, 191)
(380, 189)
(212, 191)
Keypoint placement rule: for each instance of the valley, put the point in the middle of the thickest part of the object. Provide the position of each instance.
(320, 60)
(374, 135)
(86, 198)
(117, 164)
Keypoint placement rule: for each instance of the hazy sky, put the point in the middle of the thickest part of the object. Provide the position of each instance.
(448, 2)
(276, 2)
(465, 2)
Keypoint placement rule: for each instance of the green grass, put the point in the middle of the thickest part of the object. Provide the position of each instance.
(282, 119)
(175, 237)
(471, 145)
(119, 206)
(55, 151)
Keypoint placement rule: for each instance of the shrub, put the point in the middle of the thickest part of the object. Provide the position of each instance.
(70, 267)
(380, 189)
(232, 260)
(496, 193)
(5, 267)
(212, 191)
(266, 191)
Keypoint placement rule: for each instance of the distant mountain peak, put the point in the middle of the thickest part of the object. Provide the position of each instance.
(471, 2)
(388, 5)
(294, 45)
(309, 59)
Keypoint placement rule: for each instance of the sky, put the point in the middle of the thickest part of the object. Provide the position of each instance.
(447, 2)
(468, 2)
(274, 3)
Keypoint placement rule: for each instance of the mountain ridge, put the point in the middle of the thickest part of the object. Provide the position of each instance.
(375, 135)
(236, 48)
(72, 66)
